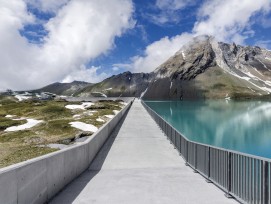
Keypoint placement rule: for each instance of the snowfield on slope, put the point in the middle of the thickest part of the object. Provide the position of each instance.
(84, 126)
(83, 106)
(30, 123)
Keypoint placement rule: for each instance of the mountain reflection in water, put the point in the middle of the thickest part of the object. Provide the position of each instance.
(240, 126)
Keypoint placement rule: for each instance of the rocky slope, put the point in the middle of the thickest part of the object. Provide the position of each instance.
(64, 88)
(203, 68)
(125, 85)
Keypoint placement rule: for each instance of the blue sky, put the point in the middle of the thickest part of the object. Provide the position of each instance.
(90, 40)
(134, 41)
(147, 31)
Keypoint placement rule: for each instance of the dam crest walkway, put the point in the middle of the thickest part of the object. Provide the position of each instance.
(138, 165)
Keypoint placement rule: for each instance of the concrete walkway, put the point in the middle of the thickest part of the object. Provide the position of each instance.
(139, 165)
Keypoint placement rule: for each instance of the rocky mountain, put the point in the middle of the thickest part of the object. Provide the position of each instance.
(64, 88)
(203, 68)
(125, 85)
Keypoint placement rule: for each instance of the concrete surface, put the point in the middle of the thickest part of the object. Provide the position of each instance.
(37, 180)
(138, 165)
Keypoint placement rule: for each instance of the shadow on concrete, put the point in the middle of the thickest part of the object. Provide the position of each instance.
(98, 162)
(72, 190)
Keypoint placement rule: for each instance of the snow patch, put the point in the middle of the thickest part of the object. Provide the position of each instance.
(100, 120)
(123, 103)
(263, 65)
(10, 116)
(251, 75)
(30, 123)
(258, 71)
(108, 89)
(56, 146)
(266, 89)
(76, 116)
(84, 126)
(89, 113)
(183, 54)
(227, 98)
(170, 85)
(115, 112)
(241, 77)
(251, 89)
(21, 97)
(102, 94)
(83, 106)
(19, 118)
(143, 93)
(109, 116)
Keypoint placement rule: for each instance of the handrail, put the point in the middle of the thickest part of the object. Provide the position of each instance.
(245, 177)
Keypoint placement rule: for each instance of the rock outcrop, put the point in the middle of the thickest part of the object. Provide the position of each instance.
(203, 68)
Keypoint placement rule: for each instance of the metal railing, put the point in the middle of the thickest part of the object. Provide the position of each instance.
(245, 177)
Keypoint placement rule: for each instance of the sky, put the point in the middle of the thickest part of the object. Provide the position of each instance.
(47, 41)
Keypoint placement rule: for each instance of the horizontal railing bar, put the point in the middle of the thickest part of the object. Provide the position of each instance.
(242, 176)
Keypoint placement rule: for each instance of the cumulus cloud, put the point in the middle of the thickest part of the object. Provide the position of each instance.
(80, 31)
(85, 74)
(158, 52)
(227, 21)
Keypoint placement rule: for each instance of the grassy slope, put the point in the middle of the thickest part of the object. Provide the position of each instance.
(22, 145)
(215, 83)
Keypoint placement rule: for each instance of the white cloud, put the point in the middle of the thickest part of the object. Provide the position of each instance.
(122, 66)
(115, 69)
(158, 52)
(84, 74)
(81, 30)
(227, 21)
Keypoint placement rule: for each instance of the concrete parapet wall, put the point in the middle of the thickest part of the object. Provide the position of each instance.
(39, 179)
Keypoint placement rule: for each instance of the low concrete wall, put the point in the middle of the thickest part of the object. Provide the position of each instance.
(38, 180)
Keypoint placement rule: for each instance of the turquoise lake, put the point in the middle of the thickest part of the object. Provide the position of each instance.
(239, 126)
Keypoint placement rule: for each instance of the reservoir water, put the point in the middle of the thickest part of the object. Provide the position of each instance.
(239, 126)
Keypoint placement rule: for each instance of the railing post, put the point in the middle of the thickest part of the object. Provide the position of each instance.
(243, 177)
(195, 159)
(265, 182)
(186, 152)
(209, 166)
(229, 175)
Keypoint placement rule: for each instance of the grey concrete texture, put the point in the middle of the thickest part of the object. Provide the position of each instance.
(37, 180)
(138, 165)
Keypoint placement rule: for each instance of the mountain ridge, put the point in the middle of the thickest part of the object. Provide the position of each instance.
(201, 69)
